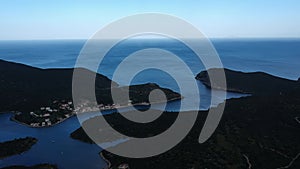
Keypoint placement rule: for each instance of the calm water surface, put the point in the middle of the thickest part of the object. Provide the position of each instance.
(280, 57)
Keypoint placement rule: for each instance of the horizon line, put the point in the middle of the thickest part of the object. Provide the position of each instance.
(150, 38)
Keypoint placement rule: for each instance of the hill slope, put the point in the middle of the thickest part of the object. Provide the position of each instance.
(259, 131)
(258, 83)
(24, 88)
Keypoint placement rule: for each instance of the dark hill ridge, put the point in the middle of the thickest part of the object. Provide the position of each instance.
(257, 83)
(25, 88)
(263, 129)
(16, 146)
(259, 131)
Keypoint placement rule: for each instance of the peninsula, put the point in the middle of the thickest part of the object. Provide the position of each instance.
(257, 83)
(43, 97)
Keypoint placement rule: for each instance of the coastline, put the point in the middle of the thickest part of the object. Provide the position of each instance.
(12, 118)
(106, 160)
(138, 104)
(208, 85)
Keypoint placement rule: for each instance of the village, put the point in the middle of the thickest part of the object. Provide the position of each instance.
(48, 116)
(60, 110)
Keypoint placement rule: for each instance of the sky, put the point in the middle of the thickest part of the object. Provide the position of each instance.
(80, 19)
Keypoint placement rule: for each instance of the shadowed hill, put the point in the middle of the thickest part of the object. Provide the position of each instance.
(257, 83)
(258, 131)
(24, 88)
(263, 129)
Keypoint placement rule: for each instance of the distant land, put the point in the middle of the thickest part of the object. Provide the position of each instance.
(257, 83)
(258, 131)
(43, 97)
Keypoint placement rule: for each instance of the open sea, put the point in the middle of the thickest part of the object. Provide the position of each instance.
(279, 57)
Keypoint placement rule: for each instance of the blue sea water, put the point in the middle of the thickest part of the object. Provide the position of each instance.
(280, 57)
(54, 145)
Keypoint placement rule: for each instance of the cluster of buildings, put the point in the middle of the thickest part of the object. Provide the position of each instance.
(88, 107)
(47, 122)
(61, 110)
(46, 113)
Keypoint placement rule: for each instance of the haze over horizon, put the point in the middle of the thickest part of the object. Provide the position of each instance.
(30, 19)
